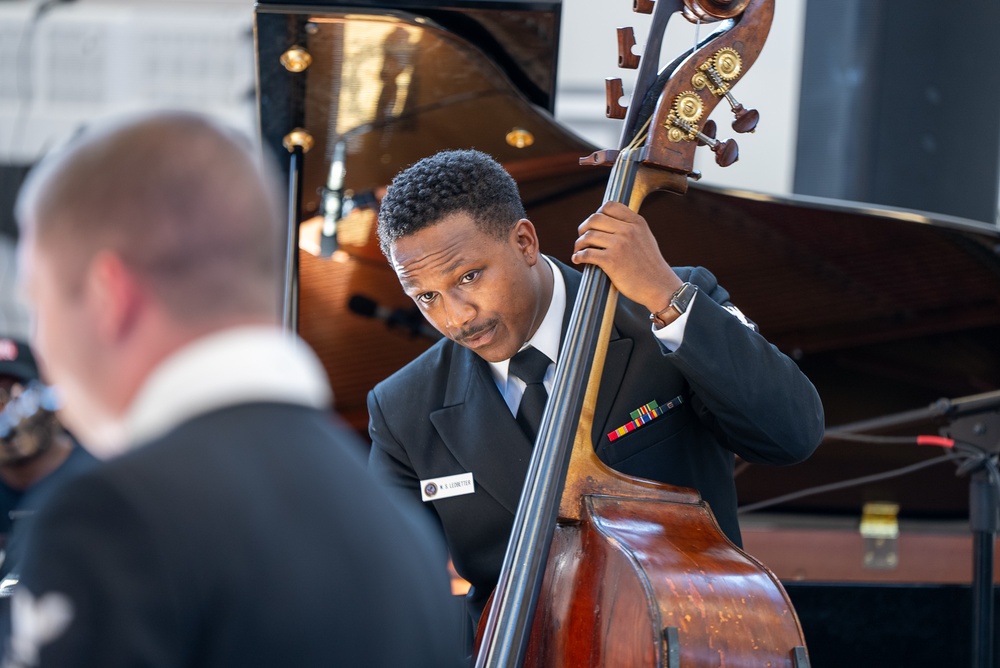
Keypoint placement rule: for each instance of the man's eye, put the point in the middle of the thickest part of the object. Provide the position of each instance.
(426, 298)
(469, 277)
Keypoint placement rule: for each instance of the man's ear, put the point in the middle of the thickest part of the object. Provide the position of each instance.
(114, 296)
(526, 238)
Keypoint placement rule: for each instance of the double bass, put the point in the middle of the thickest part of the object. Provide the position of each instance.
(603, 569)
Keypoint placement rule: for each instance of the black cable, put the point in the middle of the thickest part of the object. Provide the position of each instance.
(853, 482)
(866, 438)
(972, 456)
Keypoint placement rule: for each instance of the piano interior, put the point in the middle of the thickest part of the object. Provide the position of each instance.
(886, 310)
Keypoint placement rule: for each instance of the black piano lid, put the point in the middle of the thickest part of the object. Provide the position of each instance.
(885, 309)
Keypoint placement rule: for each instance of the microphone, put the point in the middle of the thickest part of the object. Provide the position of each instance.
(408, 320)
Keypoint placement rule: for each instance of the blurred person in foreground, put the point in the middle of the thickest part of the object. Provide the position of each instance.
(234, 523)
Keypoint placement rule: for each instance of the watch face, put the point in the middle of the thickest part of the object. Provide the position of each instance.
(682, 298)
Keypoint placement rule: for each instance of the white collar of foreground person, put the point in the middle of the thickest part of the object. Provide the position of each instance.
(229, 367)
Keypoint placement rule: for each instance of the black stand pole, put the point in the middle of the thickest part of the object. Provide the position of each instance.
(965, 423)
(983, 522)
(290, 311)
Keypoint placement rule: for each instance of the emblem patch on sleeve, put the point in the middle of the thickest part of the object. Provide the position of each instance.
(35, 622)
(742, 318)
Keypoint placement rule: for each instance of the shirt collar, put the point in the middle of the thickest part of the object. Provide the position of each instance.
(234, 366)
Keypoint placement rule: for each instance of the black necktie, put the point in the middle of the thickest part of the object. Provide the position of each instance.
(530, 366)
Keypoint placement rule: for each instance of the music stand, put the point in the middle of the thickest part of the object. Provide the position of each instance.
(973, 419)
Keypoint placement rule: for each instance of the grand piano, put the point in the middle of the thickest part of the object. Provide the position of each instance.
(894, 314)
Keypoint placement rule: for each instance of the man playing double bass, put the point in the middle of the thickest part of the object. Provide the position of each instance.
(688, 381)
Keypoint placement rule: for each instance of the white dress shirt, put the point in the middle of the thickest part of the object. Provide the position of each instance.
(548, 338)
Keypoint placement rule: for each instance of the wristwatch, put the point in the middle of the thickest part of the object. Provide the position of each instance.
(679, 301)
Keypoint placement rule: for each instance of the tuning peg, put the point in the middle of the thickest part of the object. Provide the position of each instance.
(613, 92)
(726, 152)
(719, 82)
(642, 6)
(626, 40)
(707, 131)
(746, 119)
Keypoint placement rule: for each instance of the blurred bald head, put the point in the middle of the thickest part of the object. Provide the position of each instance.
(181, 200)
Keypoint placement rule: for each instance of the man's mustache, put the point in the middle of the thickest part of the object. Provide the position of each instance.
(473, 332)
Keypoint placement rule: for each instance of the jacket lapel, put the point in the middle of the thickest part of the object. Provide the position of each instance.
(479, 430)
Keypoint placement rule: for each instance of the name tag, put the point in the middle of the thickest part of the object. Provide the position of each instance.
(433, 489)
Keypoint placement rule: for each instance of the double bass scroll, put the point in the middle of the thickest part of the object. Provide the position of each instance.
(604, 569)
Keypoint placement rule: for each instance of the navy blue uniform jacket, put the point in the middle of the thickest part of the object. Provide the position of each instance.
(249, 536)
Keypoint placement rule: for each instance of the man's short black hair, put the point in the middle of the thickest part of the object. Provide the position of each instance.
(448, 182)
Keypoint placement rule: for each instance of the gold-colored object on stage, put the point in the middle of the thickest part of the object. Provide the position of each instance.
(296, 59)
(298, 138)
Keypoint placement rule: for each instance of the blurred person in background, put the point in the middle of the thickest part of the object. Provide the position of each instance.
(37, 455)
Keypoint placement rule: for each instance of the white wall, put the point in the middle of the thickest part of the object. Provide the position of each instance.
(80, 61)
